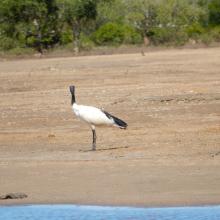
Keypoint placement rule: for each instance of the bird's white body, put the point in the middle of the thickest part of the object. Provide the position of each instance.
(92, 115)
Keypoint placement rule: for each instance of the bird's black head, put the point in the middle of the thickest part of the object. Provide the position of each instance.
(72, 90)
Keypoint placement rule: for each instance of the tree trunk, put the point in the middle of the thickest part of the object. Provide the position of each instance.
(38, 37)
(146, 41)
(39, 42)
(76, 37)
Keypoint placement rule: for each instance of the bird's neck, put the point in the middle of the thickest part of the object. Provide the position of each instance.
(73, 100)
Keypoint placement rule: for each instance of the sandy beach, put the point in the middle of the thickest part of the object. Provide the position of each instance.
(168, 156)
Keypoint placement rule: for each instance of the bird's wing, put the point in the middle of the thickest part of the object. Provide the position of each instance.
(94, 115)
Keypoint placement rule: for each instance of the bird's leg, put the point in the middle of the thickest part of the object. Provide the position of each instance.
(94, 140)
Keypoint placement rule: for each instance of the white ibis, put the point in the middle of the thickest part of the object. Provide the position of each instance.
(94, 116)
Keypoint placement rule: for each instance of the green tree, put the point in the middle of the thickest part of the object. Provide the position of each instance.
(214, 12)
(142, 14)
(77, 14)
(114, 11)
(164, 20)
(42, 24)
(32, 23)
(116, 33)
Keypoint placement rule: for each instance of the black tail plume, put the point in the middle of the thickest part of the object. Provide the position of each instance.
(121, 124)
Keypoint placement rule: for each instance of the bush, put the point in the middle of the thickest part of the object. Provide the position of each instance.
(210, 35)
(86, 43)
(113, 33)
(168, 35)
(109, 33)
(66, 37)
(206, 38)
(195, 30)
(215, 33)
(214, 12)
(17, 51)
(131, 36)
(7, 43)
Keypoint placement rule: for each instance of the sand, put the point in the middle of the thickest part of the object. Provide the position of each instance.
(169, 155)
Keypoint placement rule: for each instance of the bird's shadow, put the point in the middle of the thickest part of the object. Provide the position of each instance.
(104, 149)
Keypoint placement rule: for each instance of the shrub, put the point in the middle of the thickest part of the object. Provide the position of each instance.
(66, 37)
(168, 35)
(211, 35)
(109, 33)
(17, 51)
(131, 36)
(85, 42)
(195, 30)
(113, 33)
(206, 38)
(7, 43)
(215, 33)
(214, 12)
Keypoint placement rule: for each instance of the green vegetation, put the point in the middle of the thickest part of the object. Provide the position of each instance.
(39, 25)
(116, 34)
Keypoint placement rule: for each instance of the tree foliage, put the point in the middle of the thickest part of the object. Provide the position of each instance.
(31, 23)
(76, 14)
(214, 12)
(43, 24)
(114, 33)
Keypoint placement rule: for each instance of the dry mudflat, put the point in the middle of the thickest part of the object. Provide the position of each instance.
(169, 155)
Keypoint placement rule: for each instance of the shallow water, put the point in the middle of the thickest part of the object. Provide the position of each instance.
(72, 212)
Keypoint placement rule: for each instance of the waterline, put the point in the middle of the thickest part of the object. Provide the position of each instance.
(79, 212)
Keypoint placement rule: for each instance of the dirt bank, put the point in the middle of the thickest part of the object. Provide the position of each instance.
(169, 155)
